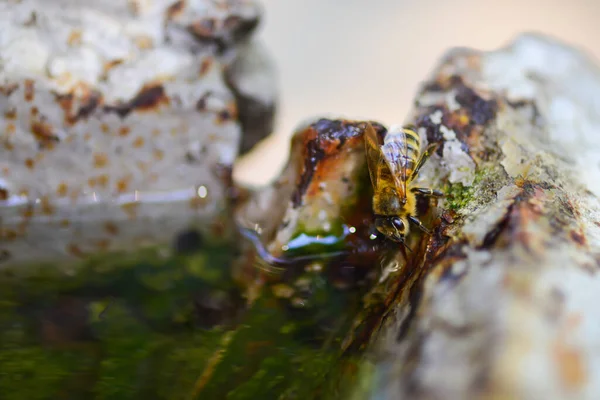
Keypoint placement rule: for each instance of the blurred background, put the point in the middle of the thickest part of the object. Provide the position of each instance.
(365, 58)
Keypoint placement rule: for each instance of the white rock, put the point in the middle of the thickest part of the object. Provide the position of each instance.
(113, 115)
(510, 309)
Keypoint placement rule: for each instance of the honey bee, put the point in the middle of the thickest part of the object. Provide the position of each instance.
(394, 163)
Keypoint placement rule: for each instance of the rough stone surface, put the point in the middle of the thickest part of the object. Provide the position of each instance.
(319, 209)
(505, 303)
(120, 121)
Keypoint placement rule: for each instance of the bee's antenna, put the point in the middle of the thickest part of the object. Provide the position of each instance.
(409, 249)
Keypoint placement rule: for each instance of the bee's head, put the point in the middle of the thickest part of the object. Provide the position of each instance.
(392, 226)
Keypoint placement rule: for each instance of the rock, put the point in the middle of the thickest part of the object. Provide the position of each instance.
(251, 78)
(502, 303)
(121, 121)
(319, 210)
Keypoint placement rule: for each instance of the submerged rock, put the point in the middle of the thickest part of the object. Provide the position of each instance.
(505, 306)
(121, 121)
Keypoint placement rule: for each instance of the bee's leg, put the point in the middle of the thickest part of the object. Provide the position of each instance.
(418, 223)
(427, 192)
(424, 157)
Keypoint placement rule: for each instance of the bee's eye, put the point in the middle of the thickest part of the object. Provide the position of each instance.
(398, 224)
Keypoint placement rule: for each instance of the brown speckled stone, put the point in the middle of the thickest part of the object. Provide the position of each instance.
(100, 123)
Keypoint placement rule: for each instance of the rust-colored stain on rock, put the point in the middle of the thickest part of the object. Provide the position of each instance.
(149, 98)
(568, 360)
(130, 209)
(75, 38)
(8, 89)
(44, 134)
(46, 206)
(111, 228)
(89, 100)
(578, 237)
(10, 114)
(75, 250)
(205, 66)
(175, 9)
(204, 28)
(29, 90)
(321, 140)
(100, 160)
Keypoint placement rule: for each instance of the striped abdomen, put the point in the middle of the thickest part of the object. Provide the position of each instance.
(401, 148)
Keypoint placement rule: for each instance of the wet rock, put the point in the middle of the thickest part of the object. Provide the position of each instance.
(319, 209)
(120, 121)
(506, 304)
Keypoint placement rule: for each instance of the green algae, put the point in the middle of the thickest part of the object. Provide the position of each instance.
(458, 195)
(486, 182)
(334, 239)
(317, 242)
(150, 326)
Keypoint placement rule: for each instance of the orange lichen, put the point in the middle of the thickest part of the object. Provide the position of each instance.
(569, 360)
(104, 128)
(75, 38)
(123, 185)
(29, 163)
(44, 134)
(138, 142)
(62, 190)
(46, 206)
(10, 128)
(65, 78)
(10, 114)
(158, 154)
(144, 42)
(108, 66)
(227, 114)
(175, 9)
(29, 90)
(100, 160)
(142, 166)
(578, 237)
(205, 66)
(124, 131)
(103, 180)
(130, 209)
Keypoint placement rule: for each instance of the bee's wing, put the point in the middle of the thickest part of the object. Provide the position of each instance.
(373, 153)
(394, 154)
